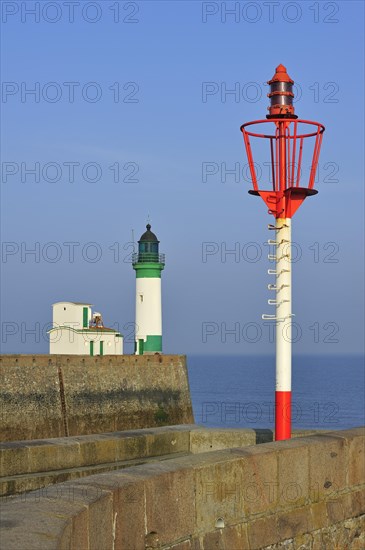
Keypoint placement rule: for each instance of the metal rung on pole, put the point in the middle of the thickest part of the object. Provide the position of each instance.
(274, 228)
(267, 317)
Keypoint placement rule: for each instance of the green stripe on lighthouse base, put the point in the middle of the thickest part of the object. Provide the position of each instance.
(153, 343)
(148, 270)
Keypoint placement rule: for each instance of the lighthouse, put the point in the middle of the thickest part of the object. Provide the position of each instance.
(148, 264)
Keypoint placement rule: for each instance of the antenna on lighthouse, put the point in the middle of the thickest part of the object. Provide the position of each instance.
(286, 141)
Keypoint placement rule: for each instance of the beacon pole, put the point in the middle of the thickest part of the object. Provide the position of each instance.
(283, 329)
(283, 306)
(283, 198)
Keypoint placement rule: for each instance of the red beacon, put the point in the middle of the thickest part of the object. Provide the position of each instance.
(286, 142)
(293, 146)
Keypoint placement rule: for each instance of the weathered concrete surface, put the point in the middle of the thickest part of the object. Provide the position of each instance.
(34, 464)
(262, 496)
(38, 463)
(45, 396)
(203, 440)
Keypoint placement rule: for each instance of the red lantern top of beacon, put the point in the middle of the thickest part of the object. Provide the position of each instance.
(286, 136)
(281, 94)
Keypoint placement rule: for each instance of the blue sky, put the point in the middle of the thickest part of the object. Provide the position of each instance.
(127, 92)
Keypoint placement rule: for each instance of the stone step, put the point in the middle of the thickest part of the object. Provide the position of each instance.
(22, 483)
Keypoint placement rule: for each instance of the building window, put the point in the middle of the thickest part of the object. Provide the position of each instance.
(141, 298)
(85, 319)
(140, 346)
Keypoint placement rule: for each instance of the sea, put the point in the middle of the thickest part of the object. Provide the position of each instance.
(328, 392)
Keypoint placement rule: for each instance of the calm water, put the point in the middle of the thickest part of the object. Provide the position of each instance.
(229, 391)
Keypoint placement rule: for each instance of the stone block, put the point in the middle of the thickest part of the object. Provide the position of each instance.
(359, 431)
(357, 503)
(80, 531)
(335, 511)
(214, 541)
(128, 506)
(205, 440)
(53, 454)
(24, 483)
(170, 501)
(328, 466)
(235, 536)
(101, 521)
(355, 441)
(14, 458)
(319, 515)
(35, 523)
(293, 475)
(293, 523)
(131, 446)
(356, 467)
(163, 442)
(98, 449)
(98, 503)
(64, 542)
(262, 532)
(218, 486)
(259, 489)
(169, 497)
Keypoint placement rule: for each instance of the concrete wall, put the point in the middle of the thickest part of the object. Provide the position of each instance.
(39, 463)
(306, 493)
(45, 396)
(36, 464)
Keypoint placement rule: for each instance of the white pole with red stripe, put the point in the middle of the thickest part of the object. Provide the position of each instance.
(283, 329)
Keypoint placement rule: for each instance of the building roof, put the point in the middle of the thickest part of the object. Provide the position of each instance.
(148, 236)
(74, 303)
(91, 329)
(102, 329)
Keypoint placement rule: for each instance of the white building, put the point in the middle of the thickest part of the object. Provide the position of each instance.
(77, 331)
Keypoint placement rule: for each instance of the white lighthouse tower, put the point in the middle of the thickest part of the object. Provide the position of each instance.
(148, 264)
